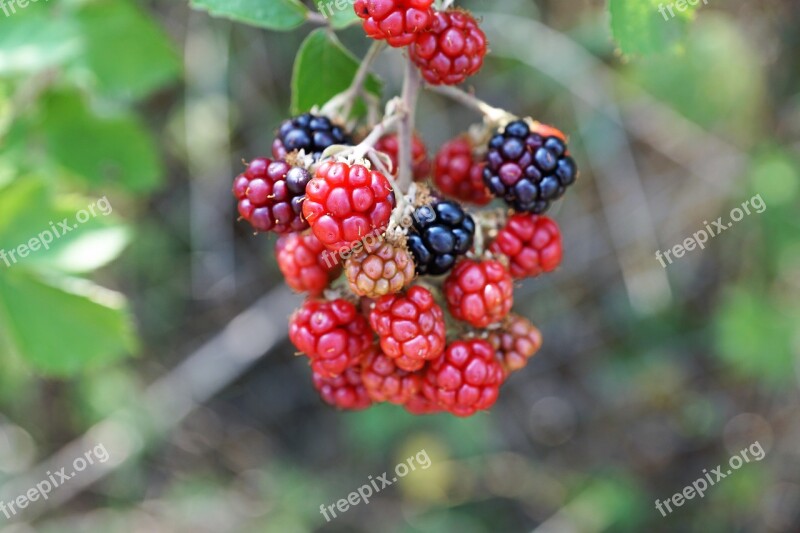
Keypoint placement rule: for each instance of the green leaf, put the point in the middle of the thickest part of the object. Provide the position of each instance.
(323, 69)
(270, 14)
(126, 54)
(63, 326)
(643, 27)
(100, 150)
(32, 42)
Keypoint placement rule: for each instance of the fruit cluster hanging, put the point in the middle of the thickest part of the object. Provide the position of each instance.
(409, 292)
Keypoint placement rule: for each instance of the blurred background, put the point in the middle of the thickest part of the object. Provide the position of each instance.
(159, 331)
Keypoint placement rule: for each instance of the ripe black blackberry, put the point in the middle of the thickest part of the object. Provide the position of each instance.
(440, 233)
(529, 166)
(312, 133)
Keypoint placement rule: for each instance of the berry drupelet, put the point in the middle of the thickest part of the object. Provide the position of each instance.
(437, 241)
(529, 166)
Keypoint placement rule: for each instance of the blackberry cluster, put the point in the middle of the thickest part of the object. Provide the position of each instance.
(528, 167)
(312, 133)
(437, 241)
(372, 327)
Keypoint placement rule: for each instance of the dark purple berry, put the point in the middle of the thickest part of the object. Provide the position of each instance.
(529, 166)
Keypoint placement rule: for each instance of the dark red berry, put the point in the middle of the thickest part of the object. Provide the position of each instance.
(300, 259)
(532, 244)
(344, 204)
(452, 51)
(458, 174)
(529, 166)
(346, 391)
(389, 145)
(271, 194)
(466, 379)
(332, 334)
(386, 382)
(479, 293)
(410, 327)
(515, 343)
(398, 22)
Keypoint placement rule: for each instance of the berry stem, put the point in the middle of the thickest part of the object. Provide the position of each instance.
(411, 85)
(387, 124)
(344, 101)
(493, 114)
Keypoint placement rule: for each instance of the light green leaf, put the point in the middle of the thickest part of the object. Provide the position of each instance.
(87, 246)
(270, 14)
(126, 54)
(643, 27)
(63, 326)
(100, 150)
(34, 42)
(323, 69)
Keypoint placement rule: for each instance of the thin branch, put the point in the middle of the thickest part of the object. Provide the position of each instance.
(344, 101)
(411, 86)
(317, 18)
(494, 114)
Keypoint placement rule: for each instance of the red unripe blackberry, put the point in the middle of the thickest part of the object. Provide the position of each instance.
(300, 260)
(346, 203)
(310, 133)
(458, 175)
(421, 164)
(516, 342)
(386, 382)
(398, 22)
(532, 244)
(332, 334)
(529, 166)
(479, 293)
(346, 391)
(410, 327)
(379, 269)
(466, 379)
(271, 194)
(452, 51)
